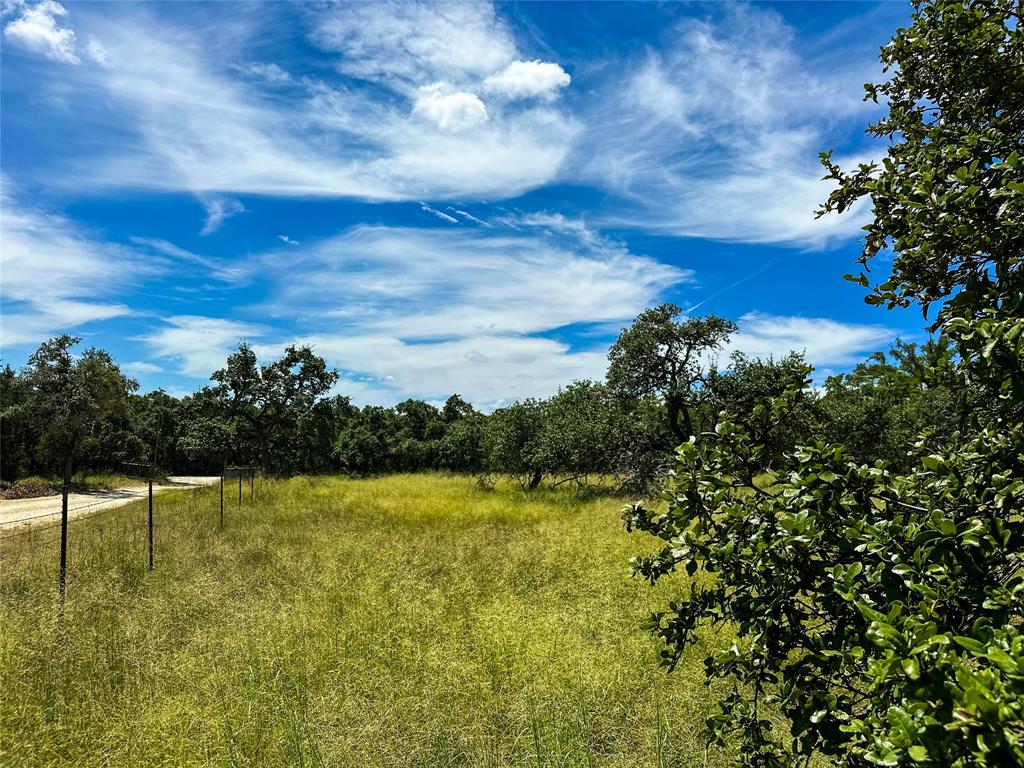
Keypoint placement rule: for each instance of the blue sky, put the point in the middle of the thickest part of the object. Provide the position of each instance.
(438, 198)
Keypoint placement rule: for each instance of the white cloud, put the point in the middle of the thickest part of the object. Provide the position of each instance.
(455, 111)
(427, 283)
(96, 51)
(558, 222)
(488, 370)
(717, 135)
(415, 43)
(522, 79)
(54, 277)
(199, 344)
(479, 311)
(140, 366)
(217, 210)
(286, 239)
(38, 28)
(825, 342)
(469, 217)
(439, 214)
(189, 119)
(220, 269)
(270, 72)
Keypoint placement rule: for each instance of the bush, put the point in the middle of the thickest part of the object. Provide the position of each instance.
(881, 610)
(29, 488)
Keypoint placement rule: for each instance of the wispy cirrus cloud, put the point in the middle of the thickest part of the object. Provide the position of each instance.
(55, 277)
(408, 117)
(423, 283)
(826, 343)
(218, 210)
(425, 312)
(415, 43)
(200, 345)
(716, 134)
(137, 367)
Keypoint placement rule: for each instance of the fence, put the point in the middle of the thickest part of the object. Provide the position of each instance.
(21, 536)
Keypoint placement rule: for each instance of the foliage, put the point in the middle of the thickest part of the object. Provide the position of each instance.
(265, 403)
(455, 408)
(749, 381)
(878, 409)
(17, 436)
(362, 447)
(70, 397)
(154, 417)
(580, 425)
(880, 610)
(461, 447)
(511, 443)
(657, 354)
(207, 441)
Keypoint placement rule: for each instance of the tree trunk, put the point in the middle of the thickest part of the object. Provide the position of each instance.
(687, 423)
(535, 480)
(674, 407)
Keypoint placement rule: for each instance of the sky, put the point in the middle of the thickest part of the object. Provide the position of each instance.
(438, 198)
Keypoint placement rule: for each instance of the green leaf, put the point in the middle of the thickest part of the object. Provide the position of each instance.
(911, 668)
(918, 753)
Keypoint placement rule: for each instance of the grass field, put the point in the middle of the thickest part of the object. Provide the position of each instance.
(404, 621)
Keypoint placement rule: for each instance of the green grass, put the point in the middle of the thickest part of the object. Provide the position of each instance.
(105, 481)
(405, 621)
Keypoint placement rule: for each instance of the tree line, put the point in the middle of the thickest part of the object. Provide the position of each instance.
(65, 411)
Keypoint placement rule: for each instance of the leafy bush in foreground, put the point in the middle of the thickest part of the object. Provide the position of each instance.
(881, 610)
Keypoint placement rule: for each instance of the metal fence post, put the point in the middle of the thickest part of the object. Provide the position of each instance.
(222, 498)
(151, 523)
(239, 487)
(63, 542)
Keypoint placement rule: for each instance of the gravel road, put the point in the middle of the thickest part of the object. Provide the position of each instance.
(45, 510)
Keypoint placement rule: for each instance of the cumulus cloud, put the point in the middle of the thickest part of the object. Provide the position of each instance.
(522, 79)
(40, 28)
(455, 111)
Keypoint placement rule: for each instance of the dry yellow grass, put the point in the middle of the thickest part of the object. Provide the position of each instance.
(403, 621)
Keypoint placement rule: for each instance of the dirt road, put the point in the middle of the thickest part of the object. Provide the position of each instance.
(45, 510)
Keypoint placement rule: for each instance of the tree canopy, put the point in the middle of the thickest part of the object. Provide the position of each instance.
(659, 355)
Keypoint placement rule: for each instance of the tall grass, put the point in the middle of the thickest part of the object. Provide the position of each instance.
(405, 621)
